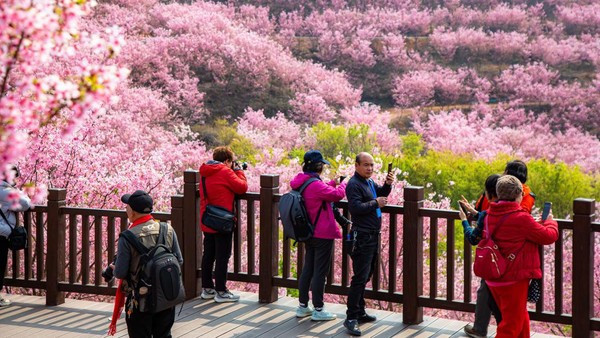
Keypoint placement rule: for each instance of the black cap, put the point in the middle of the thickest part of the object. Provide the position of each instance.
(314, 156)
(139, 201)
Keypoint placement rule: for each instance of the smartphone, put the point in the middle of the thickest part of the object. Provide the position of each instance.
(462, 208)
(546, 212)
(342, 178)
(389, 167)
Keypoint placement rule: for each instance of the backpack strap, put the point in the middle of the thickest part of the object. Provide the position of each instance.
(162, 233)
(301, 190)
(511, 256)
(6, 219)
(323, 206)
(134, 242)
(306, 184)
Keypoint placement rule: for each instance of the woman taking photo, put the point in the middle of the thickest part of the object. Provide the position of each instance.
(318, 198)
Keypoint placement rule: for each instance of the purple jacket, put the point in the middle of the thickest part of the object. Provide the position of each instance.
(314, 195)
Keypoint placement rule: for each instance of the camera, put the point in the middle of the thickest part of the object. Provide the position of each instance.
(243, 165)
(108, 274)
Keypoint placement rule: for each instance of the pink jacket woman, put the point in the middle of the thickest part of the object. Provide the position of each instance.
(320, 195)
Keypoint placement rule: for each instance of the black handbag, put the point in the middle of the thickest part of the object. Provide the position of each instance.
(534, 292)
(217, 218)
(17, 240)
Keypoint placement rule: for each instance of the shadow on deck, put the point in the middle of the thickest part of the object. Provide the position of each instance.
(29, 317)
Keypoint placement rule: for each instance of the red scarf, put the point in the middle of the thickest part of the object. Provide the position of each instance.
(120, 297)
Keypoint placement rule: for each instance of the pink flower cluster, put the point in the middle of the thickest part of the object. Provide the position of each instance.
(36, 91)
(487, 132)
(440, 85)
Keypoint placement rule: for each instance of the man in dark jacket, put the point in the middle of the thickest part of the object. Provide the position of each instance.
(365, 198)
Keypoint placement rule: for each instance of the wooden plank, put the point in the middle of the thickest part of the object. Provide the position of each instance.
(433, 257)
(279, 314)
(213, 315)
(304, 326)
(450, 258)
(39, 245)
(413, 330)
(251, 229)
(263, 316)
(85, 250)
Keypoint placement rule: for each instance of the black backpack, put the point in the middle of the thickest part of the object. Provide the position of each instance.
(159, 285)
(293, 214)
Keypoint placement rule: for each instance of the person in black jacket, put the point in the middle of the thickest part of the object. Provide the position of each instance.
(365, 200)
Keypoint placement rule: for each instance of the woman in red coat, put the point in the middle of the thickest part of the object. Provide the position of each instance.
(519, 235)
(224, 179)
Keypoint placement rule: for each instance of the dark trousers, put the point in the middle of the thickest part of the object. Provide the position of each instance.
(145, 325)
(485, 306)
(3, 259)
(364, 257)
(317, 262)
(217, 249)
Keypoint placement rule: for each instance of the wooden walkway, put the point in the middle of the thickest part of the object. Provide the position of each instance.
(29, 317)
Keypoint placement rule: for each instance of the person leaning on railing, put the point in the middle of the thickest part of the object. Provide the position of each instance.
(12, 200)
(365, 200)
(318, 199)
(519, 236)
(485, 304)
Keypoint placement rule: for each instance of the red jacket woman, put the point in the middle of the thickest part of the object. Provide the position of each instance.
(516, 233)
(222, 184)
(521, 235)
(223, 179)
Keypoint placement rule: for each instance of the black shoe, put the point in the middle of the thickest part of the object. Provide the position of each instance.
(366, 319)
(351, 326)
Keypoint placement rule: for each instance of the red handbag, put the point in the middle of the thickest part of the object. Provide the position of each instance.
(489, 263)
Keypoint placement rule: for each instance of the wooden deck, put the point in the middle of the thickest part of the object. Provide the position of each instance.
(29, 317)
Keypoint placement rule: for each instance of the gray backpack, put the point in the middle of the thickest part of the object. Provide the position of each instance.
(293, 214)
(159, 285)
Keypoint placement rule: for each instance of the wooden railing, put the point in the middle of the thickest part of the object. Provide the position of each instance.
(56, 230)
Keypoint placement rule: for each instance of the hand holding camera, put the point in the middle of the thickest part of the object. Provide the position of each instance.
(108, 273)
(238, 166)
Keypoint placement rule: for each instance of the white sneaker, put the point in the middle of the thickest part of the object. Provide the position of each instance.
(302, 312)
(226, 296)
(208, 293)
(322, 315)
(4, 302)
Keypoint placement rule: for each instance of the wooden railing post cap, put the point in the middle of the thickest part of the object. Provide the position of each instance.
(269, 181)
(584, 206)
(55, 194)
(191, 176)
(177, 201)
(414, 193)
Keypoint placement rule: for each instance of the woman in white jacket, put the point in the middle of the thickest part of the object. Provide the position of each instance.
(12, 200)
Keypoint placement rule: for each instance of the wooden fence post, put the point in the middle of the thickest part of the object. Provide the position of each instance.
(55, 255)
(269, 238)
(412, 262)
(191, 244)
(583, 266)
